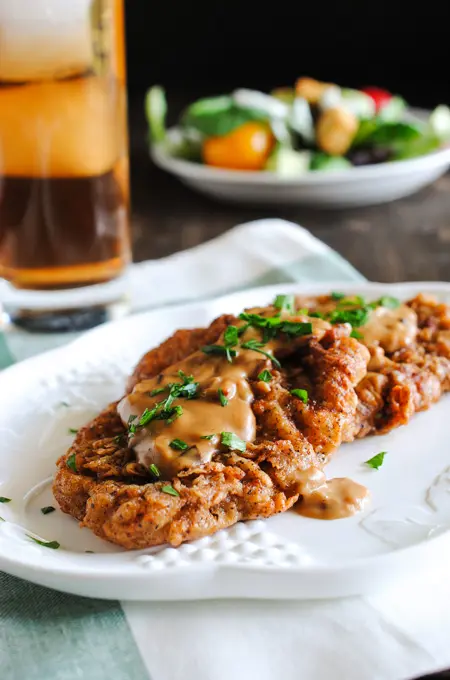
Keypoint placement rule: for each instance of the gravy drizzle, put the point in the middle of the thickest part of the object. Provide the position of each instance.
(223, 403)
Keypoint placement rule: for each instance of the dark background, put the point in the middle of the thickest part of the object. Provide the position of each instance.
(207, 46)
(204, 47)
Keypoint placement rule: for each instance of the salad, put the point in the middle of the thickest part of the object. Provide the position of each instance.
(314, 126)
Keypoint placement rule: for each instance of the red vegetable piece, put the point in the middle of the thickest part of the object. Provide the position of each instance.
(379, 96)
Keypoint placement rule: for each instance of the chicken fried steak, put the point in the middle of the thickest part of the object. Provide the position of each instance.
(228, 423)
(409, 344)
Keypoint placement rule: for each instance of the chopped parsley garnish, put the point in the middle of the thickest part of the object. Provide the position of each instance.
(71, 462)
(232, 441)
(64, 403)
(54, 545)
(284, 302)
(265, 376)
(119, 438)
(296, 328)
(231, 339)
(48, 509)
(220, 349)
(178, 445)
(168, 488)
(163, 410)
(159, 390)
(356, 317)
(207, 436)
(154, 469)
(72, 430)
(353, 301)
(389, 302)
(377, 461)
(3, 499)
(301, 394)
(222, 398)
(256, 346)
(356, 334)
(231, 336)
(317, 315)
(146, 417)
(185, 378)
(2, 520)
(337, 296)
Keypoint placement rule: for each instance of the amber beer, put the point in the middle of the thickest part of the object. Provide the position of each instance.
(63, 143)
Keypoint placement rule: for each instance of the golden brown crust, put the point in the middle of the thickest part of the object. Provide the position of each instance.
(118, 500)
(408, 380)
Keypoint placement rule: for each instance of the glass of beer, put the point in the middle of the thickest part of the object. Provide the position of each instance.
(64, 194)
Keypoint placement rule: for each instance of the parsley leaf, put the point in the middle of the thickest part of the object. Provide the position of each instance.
(207, 436)
(220, 349)
(185, 378)
(159, 390)
(389, 302)
(301, 394)
(222, 398)
(54, 545)
(296, 328)
(154, 469)
(356, 334)
(256, 346)
(48, 509)
(355, 317)
(285, 302)
(178, 445)
(71, 462)
(168, 488)
(377, 461)
(72, 430)
(232, 441)
(337, 296)
(316, 315)
(231, 336)
(3, 499)
(265, 376)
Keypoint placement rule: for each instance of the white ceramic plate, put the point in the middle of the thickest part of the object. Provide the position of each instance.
(357, 186)
(402, 533)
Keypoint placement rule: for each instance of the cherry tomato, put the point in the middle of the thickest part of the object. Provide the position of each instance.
(246, 148)
(379, 96)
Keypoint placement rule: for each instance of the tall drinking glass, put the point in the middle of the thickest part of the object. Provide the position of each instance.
(64, 196)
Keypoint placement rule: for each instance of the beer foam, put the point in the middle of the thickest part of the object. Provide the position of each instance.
(44, 39)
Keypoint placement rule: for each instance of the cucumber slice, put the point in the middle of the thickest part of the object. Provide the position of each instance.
(156, 111)
(288, 163)
(326, 163)
(358, 103)
(253, 99)
(301, 120)
(439, 122)
(393, 111)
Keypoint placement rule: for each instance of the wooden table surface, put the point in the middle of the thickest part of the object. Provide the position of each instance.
(405, 240)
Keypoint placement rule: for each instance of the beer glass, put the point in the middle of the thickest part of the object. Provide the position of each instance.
(64, 196)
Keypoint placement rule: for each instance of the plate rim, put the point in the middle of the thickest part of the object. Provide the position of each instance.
(96, 571)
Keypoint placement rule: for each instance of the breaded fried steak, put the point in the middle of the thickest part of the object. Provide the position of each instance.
(409, 344)
(222, 424)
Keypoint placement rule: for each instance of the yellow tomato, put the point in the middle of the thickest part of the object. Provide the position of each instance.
(246, 148)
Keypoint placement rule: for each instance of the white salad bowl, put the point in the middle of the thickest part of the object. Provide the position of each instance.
(352, 187)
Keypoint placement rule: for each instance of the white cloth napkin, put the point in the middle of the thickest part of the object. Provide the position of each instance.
(393, 635)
